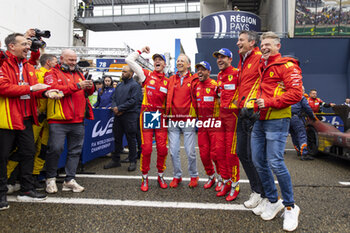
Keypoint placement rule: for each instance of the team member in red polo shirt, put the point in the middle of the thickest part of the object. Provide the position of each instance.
(206, 103)
(316, 103)
(155, 86)
(181, 112)
(227, 82)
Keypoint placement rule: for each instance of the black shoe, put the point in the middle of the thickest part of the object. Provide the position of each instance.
(31, 195)
(306, 157)
(132, 167)
(112, 164)
(38, 185)
(125, 160)
(4, 205)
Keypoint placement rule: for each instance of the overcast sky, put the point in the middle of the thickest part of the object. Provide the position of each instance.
(160, 41)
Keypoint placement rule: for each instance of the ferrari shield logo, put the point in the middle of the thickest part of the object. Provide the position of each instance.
(249, 65)
(207, 90)
(198, 93)
(230, 77)
(31, 73)
(188, 84)
(165, 82)
(80, 80)
(271, 74)
(219, 83)
(152, 82)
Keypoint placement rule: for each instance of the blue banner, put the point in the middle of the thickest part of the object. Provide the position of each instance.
(332, 119)
(227, 24)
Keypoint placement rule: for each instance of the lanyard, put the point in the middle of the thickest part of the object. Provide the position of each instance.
(20, 66)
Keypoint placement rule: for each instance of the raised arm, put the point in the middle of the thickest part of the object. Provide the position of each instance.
(131, 61)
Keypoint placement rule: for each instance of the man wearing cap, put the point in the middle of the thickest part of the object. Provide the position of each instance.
(227, 83)
(155, 86)
(247, 87)
(206, 103)
(180, 109)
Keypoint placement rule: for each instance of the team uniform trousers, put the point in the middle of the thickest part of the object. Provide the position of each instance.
(147, 143)
(227, 142)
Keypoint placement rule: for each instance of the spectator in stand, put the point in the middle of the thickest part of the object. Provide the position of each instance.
(66, 120)
(80, 10)
(316, 103)
(105, 93)
(19, 89)
(347, 102)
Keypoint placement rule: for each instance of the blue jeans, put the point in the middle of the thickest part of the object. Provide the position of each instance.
(268, 142)
(189, 144)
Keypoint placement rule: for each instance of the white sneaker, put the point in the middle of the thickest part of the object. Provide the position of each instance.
(13, 188)
(51, 186)
(254, 200)
(271, 210)
(290, 222)
(261, 207)
(72, 185)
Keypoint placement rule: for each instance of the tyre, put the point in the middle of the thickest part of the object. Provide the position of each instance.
(312, 140)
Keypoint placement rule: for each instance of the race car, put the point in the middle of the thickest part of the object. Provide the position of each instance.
(330, 134)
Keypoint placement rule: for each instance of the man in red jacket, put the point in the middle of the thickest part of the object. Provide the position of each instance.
(226, 150)
(316, 103)
(206, 103)
(155, 86)
(66, 119)
(248, 84)
(19, 89)
(181, 111)
(280, 87)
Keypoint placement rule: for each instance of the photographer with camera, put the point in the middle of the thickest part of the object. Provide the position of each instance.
(247, 87)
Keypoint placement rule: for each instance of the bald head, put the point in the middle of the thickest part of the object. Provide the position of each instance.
(127, 73)
(69, 58)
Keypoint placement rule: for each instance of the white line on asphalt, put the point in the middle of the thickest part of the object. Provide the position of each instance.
(344, 183)
(289, 149)
(136, 203)
(139, 177)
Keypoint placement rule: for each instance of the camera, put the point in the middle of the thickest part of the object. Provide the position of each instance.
(37, 43)
(249, 114)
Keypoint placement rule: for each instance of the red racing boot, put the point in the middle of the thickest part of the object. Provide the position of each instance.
(194, 182)
(210, 182)
(144, 184)
(161, 182)
(225, 189)
(233, 193)
(219, 184)
(175, 182)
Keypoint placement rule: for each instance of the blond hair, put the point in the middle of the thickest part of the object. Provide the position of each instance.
(270, 35)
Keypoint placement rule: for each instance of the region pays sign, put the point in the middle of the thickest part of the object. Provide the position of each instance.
(227, 24)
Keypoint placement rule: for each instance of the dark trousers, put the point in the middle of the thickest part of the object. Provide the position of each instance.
(24, 141)
(244, 130)
(125, 124)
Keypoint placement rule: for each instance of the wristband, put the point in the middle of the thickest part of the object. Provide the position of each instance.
(139, 52)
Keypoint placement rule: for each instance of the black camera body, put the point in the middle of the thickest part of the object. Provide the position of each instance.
(37, 43)
(249, 114)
